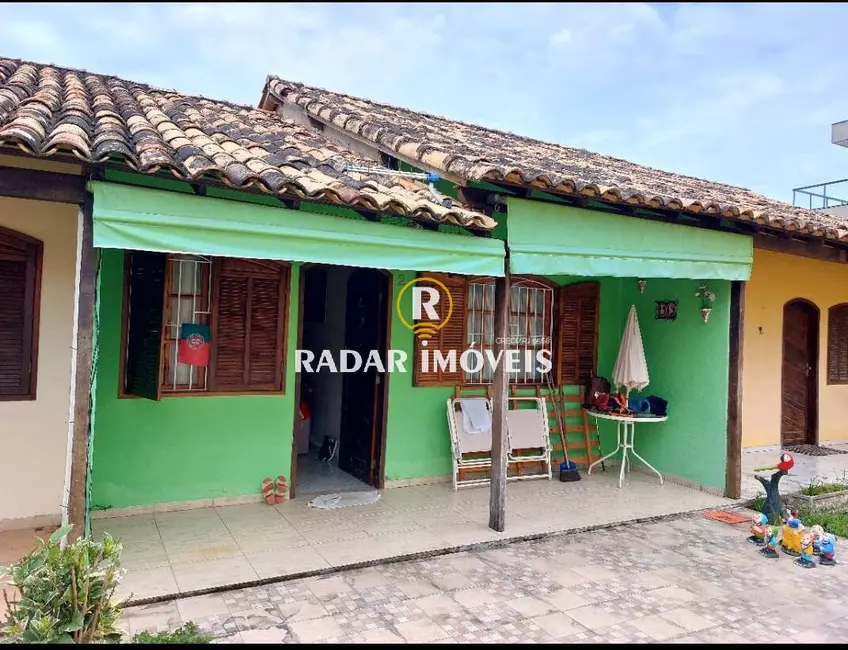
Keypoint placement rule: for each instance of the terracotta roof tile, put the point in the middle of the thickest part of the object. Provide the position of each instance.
(476, 153)
(47, 110)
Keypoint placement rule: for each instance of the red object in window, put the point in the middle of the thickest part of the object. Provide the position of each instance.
(305, 411)
(193, 347)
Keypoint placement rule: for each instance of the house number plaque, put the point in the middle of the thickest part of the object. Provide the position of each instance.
(666, 310)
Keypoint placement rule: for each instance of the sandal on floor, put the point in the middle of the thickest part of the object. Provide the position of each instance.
(268, 491)
(282, 489)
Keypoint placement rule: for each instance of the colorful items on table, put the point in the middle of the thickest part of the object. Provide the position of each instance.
(759, 530)
(806, 558)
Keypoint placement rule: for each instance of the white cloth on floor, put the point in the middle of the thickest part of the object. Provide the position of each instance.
(344, 500)
(476, 417)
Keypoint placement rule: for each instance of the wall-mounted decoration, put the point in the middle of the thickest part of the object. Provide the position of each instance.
(666, 310)
(642, 284)
(707, 297)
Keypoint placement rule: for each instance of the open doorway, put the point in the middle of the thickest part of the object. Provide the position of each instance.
(800, 377)
(340, 434)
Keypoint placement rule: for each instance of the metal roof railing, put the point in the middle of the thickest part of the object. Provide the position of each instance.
(821, 196)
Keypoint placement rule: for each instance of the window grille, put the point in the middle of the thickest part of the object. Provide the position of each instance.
(188, 299)
(530, 328)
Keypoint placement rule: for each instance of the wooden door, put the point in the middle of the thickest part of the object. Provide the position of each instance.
(360, 443)
(800, 373)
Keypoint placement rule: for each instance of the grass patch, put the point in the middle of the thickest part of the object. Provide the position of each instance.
(188, 633)
(815, 489)
(833, 521)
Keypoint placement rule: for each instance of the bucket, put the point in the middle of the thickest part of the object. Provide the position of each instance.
(568, 472)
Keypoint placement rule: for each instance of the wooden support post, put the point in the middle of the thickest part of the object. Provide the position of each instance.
(733, 479)
(497, 493)
(82, 385)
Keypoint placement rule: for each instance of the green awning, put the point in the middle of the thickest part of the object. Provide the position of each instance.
(548, 239)
(136, 218)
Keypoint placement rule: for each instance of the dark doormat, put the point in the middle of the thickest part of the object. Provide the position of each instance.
(813, 450)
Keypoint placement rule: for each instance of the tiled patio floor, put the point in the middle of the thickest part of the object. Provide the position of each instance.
(182, 552)
(688, 580)
(806, 469)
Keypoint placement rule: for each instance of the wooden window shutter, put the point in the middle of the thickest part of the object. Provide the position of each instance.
(248, 325)
(837, 345)
(146, 275)
(577, 332)
(20, 272)
(450, 337)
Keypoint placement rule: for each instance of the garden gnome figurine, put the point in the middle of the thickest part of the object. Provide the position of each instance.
(759, 530)
(817, 532)
(828, 552)
(806, 558)
(772, 507)
(770, 549)
(790, 536)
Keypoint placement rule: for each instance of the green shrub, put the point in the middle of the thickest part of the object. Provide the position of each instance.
(833, 521)
(819, 486)
(66, 594)
(188, 633)
(759, 502)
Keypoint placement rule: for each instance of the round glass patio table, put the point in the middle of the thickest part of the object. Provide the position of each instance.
(625, 430)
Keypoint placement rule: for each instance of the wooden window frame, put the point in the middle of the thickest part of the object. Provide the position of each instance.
(20, 247)
(214, 279)
(589, 290)
(167, 340)
(837, 314)
(517, 280)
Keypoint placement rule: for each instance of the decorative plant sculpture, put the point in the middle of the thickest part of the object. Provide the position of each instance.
(707, 297)
(773, 508)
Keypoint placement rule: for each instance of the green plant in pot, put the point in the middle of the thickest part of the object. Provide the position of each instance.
(66, 593)
(707, 297)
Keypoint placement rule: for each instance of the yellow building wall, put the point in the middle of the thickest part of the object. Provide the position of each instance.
(34, 434)
(776, 279)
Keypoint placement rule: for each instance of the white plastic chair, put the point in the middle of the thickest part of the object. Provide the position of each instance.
(529, 435)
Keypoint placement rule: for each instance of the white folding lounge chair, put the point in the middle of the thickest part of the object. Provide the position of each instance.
(471, 451)
(529, 435)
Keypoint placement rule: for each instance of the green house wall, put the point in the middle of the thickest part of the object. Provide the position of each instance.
(688, 365)
(182, 449)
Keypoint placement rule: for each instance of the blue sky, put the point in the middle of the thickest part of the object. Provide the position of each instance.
(743, 94)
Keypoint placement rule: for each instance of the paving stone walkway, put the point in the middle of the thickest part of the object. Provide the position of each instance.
(686, 580)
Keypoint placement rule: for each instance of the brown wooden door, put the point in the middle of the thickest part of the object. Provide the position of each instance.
(800, 373)
(360, 443)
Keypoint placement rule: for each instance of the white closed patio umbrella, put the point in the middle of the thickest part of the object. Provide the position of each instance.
(630, 373)
(631, 369)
